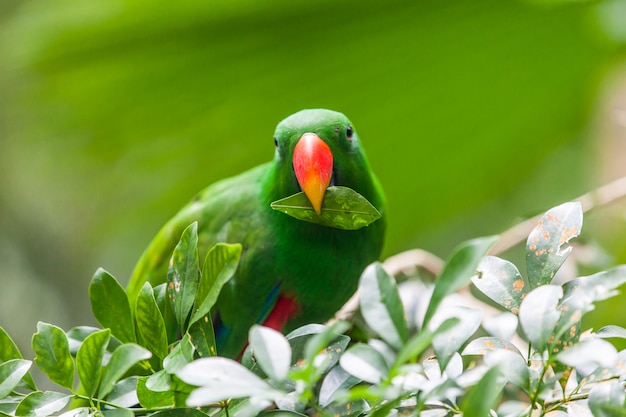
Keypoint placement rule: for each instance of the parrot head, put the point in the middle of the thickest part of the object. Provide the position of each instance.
(315, 149)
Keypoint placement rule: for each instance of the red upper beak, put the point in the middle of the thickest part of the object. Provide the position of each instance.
(313, 165)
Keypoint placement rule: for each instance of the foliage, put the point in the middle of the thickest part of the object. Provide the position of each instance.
(439, 359)
(342, 208)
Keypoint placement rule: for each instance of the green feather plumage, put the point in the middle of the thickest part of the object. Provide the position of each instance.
(319, 266)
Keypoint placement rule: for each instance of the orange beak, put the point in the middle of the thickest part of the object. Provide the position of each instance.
(313, 165)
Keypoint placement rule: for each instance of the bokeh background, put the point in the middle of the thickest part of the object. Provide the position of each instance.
(475, 114)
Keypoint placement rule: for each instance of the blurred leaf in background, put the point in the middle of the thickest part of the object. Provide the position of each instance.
(113, 114)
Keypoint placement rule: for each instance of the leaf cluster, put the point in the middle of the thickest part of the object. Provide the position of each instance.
(424, 354)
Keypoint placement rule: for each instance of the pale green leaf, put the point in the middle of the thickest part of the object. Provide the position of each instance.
(342, 208)
(53, 354)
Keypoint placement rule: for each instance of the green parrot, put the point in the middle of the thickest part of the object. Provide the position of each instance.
(291, 272)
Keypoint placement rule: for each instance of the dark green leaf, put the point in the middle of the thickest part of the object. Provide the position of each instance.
(483, 396)
(547, 245)
(611, 331)
(364, 362)
(11, 372)
(219, 266)
(202, 337)
(8, 351)
(53, 354)
(165, 307)
(110, 306)
(608, 400)
(342, 208)
(381, 305)
(457, 271)
(153, 399)
(89, 360)
(271, 350)
(183, 274)
(150, 324)
(42, 404)
(122, 359)
(299, 338)
(447, 343)
(500, 280)
(539, 314)
(9, 405)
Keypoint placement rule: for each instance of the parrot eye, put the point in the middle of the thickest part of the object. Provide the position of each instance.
(275, 142)
(349, 132)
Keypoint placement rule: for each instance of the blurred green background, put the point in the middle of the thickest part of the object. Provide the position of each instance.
(113, 114)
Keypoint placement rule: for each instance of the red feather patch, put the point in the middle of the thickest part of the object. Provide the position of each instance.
(285, 308)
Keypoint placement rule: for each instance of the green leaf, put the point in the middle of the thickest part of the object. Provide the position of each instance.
(122, 359)
(483, 396)
(588, 355)
(447, 343)
(319, 342)
(547, 245)
(512, 366)
(608, 332)
(53, 354)
(501, 281)
(183, 274)
(150, 324)
(77, 412)
(597, 287)
(180, 355)
(89, 360)
(365, 363)
(539, 314)
(608, 400)
(381, 305)
(483, 345)
(202, 337)
(219, 267)
(457, 271)
(179, 412)
(221, 379)
(281, 413)
(11, 373)
(109, 304)
(153, 399)
(8, 351)
(418, 344)
(336, 380)
(117, 412)
(42, 404)
(124, 393)
(159, 381)
(271, 350)
(342, 208)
